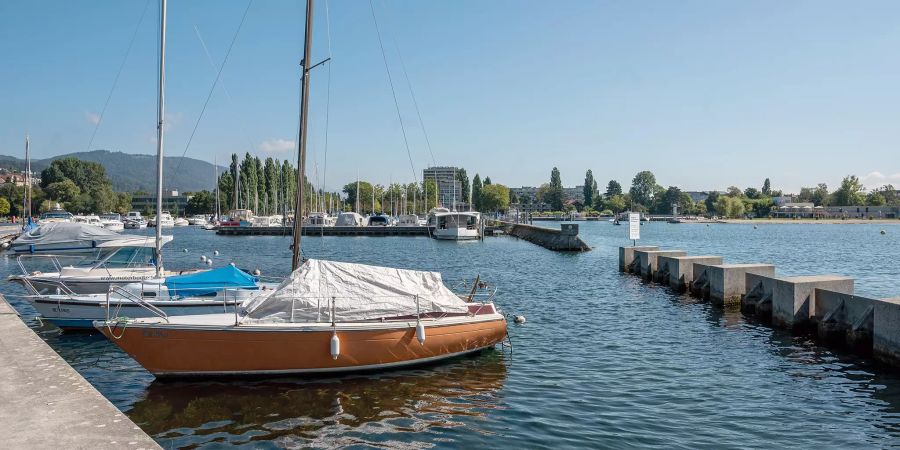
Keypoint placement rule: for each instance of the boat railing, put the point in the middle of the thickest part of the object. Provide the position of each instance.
(318, 309)
(61, 287)
(125, 294)
(53, 259)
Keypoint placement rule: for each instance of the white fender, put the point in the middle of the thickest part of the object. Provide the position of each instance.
(335, 346)
(420, 333)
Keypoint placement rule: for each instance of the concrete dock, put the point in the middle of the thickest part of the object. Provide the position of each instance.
(821, 305)
(564, 239)
(45, 403)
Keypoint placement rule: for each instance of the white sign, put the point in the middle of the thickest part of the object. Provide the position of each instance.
(634, 226)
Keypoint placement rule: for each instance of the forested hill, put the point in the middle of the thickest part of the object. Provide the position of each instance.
(130, 173)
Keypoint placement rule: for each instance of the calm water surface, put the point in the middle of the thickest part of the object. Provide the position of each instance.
(604, 360)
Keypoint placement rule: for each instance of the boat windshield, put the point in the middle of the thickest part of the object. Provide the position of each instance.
(130, 257)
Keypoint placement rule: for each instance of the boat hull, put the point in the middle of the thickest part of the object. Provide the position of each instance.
(455, 234)
(181, 350)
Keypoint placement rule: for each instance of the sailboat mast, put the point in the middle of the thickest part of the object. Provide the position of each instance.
(27, 210)
(301, 139)
(216, 180)
(161, 110)
(357, 192)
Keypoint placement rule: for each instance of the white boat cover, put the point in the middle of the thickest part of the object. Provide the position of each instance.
(360, 292)
(61, 232)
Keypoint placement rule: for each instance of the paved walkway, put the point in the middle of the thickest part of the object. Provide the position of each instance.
(45, 403)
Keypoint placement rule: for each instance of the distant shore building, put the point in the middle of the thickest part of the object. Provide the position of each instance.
(172, 202)
(810, 211)
(449, 188)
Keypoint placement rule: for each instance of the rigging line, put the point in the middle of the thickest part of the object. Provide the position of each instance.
(393, 91)
(327, 95)
(415, 102)
(222, 85)
(118, 74)
(213, 88)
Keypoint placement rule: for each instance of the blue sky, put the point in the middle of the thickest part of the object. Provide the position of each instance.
(704, 94)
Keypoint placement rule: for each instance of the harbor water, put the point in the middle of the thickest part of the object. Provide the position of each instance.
(604, 360)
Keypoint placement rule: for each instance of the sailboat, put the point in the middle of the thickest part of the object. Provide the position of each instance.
(141, 288)
(327, 317)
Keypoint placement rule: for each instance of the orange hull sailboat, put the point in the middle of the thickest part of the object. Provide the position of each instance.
(326, 317)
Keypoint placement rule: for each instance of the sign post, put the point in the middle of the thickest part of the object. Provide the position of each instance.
(634, 227)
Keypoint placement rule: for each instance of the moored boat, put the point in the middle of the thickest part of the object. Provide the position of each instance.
(62, 237)
(458, 226)
(345, 317)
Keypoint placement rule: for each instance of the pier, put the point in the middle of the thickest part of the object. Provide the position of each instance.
(325, 231)
(565, 239)
(823, 306)
(45, 403)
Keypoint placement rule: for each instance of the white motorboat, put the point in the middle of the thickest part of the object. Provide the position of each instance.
(90, 220)
(320, 219)
(165, 222)
(134, 221)
(112, 221)
(125, 260)
(432, 216)
(457, 226)
(62, 237)
(213, 291)
(197, 220)
(408, 220)
(350, 219)
(238, 218)
(380, 221)
(181, 222)
(57, 214)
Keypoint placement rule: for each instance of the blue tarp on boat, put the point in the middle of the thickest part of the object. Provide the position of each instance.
(210, 282)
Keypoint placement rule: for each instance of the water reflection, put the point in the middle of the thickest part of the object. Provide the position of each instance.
(356, 409)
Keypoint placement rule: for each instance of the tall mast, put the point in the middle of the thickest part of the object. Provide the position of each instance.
(301, 139)
(27, 210)
(216, 180)
(161, 110)
(357, 192)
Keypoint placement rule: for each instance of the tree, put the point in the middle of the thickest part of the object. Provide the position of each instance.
(643, 187)
(711, 200)
(4, 207)
(850, 193)
(615, 203)
(513, 198)
(63, 191)
(588, 188)
(202, 202)
(734, 191)
(767, 188)
(271, 185)
(365, 196)
(614, 188)
(495, 197)
(875, 198)
(463, 179)
(728, 206)
(751, 192)
(226, 189)
(476, 192)
(487, 181)
(554, 194)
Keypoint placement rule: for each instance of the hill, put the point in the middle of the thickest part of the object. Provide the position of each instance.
(129, 172)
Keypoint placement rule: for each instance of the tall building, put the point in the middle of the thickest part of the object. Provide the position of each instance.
(449, 189)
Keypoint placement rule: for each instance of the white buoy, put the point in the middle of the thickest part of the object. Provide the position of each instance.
(6, 244)
(257, 272)
(216, 253)
(519, 319)
(420, 333)
(209, 261)
(754, 227)
(882, 232)
(335, 346)
(232, 263)
(185, 250)
(202, 258)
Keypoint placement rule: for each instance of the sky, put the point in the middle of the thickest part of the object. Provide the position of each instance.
(703, 94)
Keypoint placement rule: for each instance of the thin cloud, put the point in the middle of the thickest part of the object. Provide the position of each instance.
(92, 117)
(277, 145)
(876, 179)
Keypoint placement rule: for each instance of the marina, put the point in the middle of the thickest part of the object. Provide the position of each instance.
(645, 329)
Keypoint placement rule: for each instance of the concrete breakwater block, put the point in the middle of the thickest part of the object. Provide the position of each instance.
(626, 256)
(678, 271)
(648, 260)
(565, 239)
(791, 300)
(844, 318)
(725, 284)
(886, 331)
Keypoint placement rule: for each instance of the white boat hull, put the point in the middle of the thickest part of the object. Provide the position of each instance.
(455, 234)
